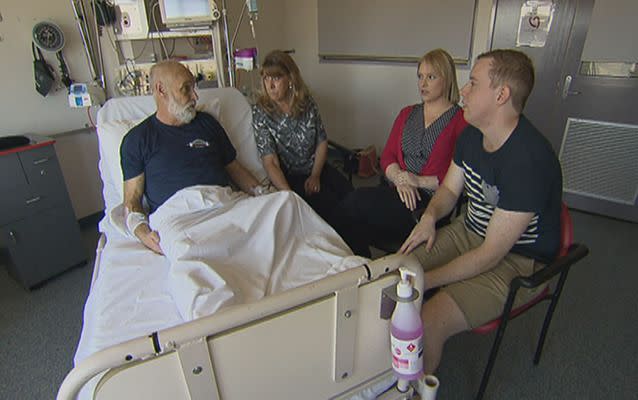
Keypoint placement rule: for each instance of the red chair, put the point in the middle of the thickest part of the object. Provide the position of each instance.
(569, 254)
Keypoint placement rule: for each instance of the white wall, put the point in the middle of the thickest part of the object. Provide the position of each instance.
(620, 14)
(22, 109)
(359, 102)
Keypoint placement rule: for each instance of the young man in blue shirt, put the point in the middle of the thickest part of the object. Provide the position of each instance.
(513, 182)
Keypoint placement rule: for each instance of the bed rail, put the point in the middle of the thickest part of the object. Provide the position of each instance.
(167, 344)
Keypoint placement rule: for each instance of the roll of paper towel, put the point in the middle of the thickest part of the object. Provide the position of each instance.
(427, 387)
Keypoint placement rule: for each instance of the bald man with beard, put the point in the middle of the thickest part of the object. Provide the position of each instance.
(174, 148)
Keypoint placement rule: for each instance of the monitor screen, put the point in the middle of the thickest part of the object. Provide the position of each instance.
(186, 13)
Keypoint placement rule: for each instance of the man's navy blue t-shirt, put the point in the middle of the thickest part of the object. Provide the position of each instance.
(522, 175)
(175, 157)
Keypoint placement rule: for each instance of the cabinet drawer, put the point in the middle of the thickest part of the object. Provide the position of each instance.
(43, 245)
(43, 174)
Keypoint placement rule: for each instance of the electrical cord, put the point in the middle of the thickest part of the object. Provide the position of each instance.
(241, 18)
(88, 113)
(159, 33)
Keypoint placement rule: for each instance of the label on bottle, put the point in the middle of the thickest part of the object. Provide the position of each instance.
(407, 355)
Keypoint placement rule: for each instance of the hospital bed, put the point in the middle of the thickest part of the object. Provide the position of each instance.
(322, 340)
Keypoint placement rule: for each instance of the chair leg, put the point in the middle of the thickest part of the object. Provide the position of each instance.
(497, 343)
(549, 315)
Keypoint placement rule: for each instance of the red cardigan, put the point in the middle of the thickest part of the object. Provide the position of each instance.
(442, 151)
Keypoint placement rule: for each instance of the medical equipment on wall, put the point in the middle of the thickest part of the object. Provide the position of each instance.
(42, 71)
(245, 58)
(188, 14)
(84, 95)
(90, 42)
(132, 22)
(49, 37)
(251, 6)
(406, 342)
(134, 78)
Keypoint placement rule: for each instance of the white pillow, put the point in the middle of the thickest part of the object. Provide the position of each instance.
(110, 135)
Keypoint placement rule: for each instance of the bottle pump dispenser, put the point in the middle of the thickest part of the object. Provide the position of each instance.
(406, 339)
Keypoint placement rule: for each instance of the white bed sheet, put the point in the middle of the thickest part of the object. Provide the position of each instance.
(227, 247)
(129, 296)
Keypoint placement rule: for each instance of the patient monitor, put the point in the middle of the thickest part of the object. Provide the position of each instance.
(184, 14)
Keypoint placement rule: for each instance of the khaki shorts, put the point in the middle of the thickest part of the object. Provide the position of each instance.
(481, 298)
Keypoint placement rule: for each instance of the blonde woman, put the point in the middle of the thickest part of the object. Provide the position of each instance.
(415, 160)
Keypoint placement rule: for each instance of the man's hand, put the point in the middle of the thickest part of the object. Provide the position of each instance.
(149, 238)
(312, 185)
(409, 195)
(425, 230)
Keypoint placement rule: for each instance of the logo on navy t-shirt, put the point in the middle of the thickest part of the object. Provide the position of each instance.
(198, 144)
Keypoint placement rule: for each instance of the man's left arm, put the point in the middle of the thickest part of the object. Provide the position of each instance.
(242, 177)
(504, 229)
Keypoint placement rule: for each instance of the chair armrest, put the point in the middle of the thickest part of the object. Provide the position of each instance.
(340, 147)
(575, 253)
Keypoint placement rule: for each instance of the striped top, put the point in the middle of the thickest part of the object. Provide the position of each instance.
(483, 199)
(418, 140)
(522, 175)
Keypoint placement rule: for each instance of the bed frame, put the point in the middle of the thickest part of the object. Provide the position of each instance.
(323, 340)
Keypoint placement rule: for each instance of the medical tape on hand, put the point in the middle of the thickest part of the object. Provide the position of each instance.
(258, 190)
(135, 219)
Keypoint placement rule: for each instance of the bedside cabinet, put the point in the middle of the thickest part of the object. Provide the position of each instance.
(37, 222)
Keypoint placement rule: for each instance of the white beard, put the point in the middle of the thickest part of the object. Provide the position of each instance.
(184, 114)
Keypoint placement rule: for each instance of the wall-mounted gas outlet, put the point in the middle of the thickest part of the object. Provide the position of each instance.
(132, 22)
(136, 79)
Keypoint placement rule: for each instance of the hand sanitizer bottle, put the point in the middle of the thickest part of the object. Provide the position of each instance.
(406, 340)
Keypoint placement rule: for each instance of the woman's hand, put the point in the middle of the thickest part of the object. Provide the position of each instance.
(312, 185)
(407, 178)
(409, 195)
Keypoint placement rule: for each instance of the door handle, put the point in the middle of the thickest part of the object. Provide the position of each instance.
(13, 237)
(566, 85)
(41, 161)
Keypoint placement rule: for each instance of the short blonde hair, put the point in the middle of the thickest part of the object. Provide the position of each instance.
(276, 64)
(514, 69)
(443, 64)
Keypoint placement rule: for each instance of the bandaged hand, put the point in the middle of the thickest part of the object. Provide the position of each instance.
(149, 238)
(262, 189)
(409, 195)
(138, 227)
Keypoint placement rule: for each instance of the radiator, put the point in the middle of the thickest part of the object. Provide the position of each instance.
(600, 160)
